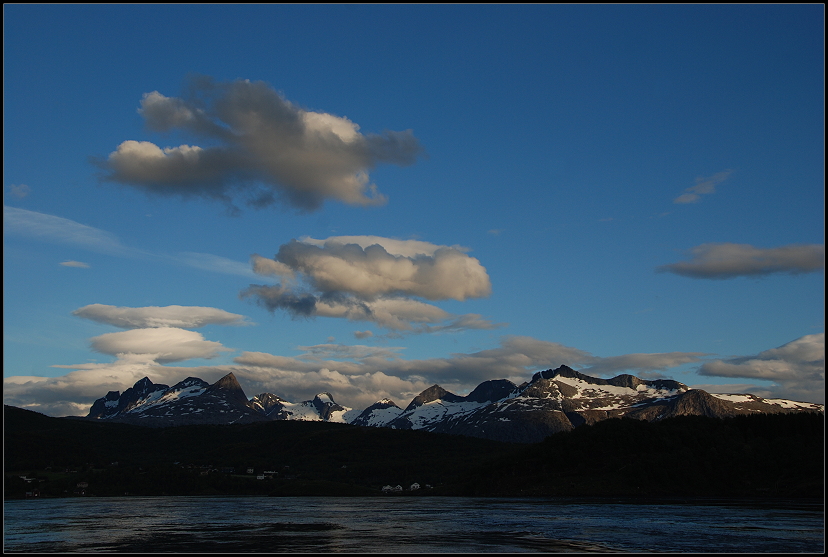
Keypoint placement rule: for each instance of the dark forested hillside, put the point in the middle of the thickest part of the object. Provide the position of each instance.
(747, 456)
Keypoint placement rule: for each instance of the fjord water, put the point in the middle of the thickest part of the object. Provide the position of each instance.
(407, 524)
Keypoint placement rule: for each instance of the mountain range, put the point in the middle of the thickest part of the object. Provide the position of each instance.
(554, 400)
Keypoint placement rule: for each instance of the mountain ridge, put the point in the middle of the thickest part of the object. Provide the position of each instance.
(554, 400)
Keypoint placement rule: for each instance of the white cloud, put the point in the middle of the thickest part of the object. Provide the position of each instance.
(161, 344)
(397, 314)
(266, 147)
(796, 368)
(187, 317)
(407, 267)
(374, 279)
(726, 260)
(704, 186)
(73, 393)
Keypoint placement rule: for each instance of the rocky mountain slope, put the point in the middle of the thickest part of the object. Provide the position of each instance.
(554, 400)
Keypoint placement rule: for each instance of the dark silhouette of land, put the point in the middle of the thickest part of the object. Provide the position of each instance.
(765, 456)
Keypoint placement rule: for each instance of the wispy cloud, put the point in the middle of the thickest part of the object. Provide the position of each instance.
(78, 264)
(263, 147)
(19, 190)
(704, 186)
(642, 364)
(214, 263)
(58, 230)
(726, 260)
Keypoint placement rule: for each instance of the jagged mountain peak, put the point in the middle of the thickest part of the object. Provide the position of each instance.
(326, 406)
(268, 397)
(190, 382)
(228, 386)
(229, 382)
(492, 390)
(381, 413)
(435, 392)
(623, 380)
(566, 371)
(143, 385)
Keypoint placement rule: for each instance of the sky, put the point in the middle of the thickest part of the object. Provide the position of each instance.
(367, 200)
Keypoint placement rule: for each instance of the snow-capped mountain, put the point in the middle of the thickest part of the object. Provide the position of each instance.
(194, 401)
(561, 399)
(554, 400)
(378, 414)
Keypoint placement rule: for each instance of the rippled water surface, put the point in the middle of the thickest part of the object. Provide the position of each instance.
(405, 524)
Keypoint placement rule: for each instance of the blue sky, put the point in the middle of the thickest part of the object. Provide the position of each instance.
(368, 200)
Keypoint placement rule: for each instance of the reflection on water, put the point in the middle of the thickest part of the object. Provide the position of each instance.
(402, 524)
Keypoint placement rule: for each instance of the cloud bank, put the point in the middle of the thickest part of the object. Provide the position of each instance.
(356, 375)
(258, 145)
(375, 279)
(797, 369)
(726, 260)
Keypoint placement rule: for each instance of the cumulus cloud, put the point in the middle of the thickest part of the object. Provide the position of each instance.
(78, 264)
(704, 186)
(797, 368)
(258, 145)
(387, 266)
(161, 344)
(726, 260)
(187, 317)
(375, 279)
